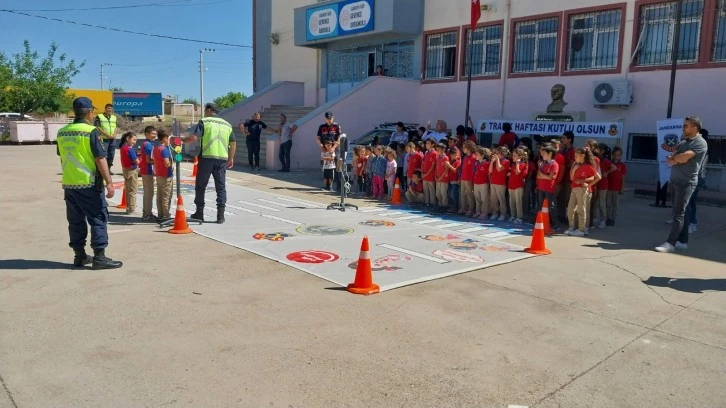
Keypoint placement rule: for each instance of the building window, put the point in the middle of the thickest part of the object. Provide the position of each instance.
(485, 51)
(594, 40)
(643, 147)
(657, 32)
(719, 43)
(717, 150)
(535, 46)
(441, 55)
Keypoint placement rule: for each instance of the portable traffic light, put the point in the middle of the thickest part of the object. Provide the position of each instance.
(176, 146)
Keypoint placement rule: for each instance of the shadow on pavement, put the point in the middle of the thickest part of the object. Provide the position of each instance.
(32, 264)
(689, 285)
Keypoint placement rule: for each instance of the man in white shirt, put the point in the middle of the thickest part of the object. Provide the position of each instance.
(438, 134)
(285, 133)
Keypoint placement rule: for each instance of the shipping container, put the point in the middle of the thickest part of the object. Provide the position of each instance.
(99, 98)
(137, 105)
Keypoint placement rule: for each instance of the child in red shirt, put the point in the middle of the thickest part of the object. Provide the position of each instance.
(468, 203)
(415, 158)
(428, 168)
(606, 167)
(164, 173)
(360, 160)
(616, 185)
(583, 175)
(481, 182)
(130, 167)
(498, 170)
(517, 175)
(415, 194)
(454, 193)
(442, 177)
(547, 175)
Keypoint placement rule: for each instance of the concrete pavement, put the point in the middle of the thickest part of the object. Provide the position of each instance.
(188, 322)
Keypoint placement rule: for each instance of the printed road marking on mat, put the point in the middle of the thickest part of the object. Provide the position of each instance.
(372, 210)
(444, 226)
(297, 201)
(248, 211)
(429, 221)
(493, 235)
(285, 220)
(410, 217)
(390, 214)
(264, 207)
(209, 200)
(262, 200)
(473, 229)
(413, 253)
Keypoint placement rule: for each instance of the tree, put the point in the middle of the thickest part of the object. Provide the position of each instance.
(229, 100)
(191, 100)
(38, 85)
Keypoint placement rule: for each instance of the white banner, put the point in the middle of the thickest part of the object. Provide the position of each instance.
(612, 130)
(670, 132)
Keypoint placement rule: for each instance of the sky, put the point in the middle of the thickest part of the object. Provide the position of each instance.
(142, 63)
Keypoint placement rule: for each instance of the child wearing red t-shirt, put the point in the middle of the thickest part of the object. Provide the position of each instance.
(583, 175)
(616, 185)
(442, 177)
(415, 194)
(428, 168)
(498, 169)
(468, 203)
(606, 167)
(454, 193)
(360, 160)
(548, 173)
(130, 167)
(415, 158)
(481, 182)
(517, 175)
(163, 173)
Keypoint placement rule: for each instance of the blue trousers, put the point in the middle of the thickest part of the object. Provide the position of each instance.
(110, 147)
(86, 207)
(454, 190)
(215, 168)
(284, 155)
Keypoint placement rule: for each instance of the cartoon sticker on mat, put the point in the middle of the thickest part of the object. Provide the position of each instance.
(466, 245)
(383, 264)
(449, 237)
(312, 257)
(378, 223)
(323, 230)
(498, 248)
(274, 236)
(458, 256)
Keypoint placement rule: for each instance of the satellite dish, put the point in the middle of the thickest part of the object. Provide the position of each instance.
(604, 92)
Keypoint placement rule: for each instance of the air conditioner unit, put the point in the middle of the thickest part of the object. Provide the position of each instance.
(614, 92)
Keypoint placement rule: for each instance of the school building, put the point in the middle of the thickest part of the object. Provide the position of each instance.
(613, 58)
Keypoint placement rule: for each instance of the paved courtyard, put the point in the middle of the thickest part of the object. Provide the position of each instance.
(193, 322)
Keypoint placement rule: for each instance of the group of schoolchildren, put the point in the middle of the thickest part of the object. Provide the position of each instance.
(154, 164)
(504, 183)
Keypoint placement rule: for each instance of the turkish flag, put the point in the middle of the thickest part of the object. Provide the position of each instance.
(475, 12)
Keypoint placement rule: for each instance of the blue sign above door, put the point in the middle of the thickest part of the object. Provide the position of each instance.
(339, 19)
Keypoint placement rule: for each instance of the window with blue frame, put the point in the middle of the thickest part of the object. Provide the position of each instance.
(441, 55)
(485, 51)
(594, 40)
(657, 33)
(719, 43)
(535, 46)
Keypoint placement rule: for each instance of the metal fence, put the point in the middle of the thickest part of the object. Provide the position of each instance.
(535, 45)
(657, 32)
(441, 55)
(485, 51)
(593, 40)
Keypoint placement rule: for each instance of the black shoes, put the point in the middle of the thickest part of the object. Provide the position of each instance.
(220, 215)
(100, 261)
(199, 215)
(81, 259)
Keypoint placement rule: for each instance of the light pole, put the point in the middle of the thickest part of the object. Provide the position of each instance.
(105, 64)
(201, 78)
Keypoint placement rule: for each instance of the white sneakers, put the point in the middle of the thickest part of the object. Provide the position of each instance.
(668, 248)
(601, 225)
(692, 228)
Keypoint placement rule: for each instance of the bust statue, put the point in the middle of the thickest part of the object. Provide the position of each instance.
(558, 101)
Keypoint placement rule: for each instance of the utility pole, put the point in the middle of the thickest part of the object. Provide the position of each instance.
(105, 64)
(201, 79)
(674, 55)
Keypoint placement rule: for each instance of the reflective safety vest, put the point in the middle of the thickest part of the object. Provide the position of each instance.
(215, 140)
(107, 124)
(77, 161)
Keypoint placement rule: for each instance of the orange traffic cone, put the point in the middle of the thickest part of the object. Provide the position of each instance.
(122, 206)
(396, 196)
(180, 219)
(363, 284)
(194, 169)
(546, 217)
(537, 247)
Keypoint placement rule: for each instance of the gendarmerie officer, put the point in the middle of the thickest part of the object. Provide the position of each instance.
(83, 161)
(216, 155)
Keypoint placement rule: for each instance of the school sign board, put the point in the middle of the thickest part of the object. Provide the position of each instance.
(612, 130)
(339, 19)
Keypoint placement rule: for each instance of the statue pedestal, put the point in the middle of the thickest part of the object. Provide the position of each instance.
(569, 116)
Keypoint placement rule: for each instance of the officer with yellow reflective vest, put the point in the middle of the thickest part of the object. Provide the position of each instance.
(106, 124)
(83, 161)
(216, 155)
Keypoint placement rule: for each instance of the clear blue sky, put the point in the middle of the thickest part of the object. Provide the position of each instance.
(141, 63)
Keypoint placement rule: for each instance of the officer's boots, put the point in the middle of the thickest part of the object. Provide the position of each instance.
(220, 215)
(100, 261)
(198, 215)
(81, 259)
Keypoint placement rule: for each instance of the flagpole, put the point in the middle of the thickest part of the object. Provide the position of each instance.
(468, 82)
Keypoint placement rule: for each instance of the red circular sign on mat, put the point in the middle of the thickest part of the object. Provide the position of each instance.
(312, 257)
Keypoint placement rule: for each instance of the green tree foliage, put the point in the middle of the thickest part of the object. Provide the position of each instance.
(191, 100)
(34, 84)
(229, 100)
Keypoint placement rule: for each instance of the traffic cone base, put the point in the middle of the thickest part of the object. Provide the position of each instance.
(546, 217)
(363, 283)
(537, 247)
(180, 219)
(122, 206)
(396, 195)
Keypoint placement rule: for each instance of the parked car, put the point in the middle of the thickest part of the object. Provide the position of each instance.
(10, 116)
(383, 132)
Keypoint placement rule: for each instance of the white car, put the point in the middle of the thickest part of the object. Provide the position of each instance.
(10, 116)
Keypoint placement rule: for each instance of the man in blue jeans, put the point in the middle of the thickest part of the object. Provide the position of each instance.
(685, 164)
(285, 133)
